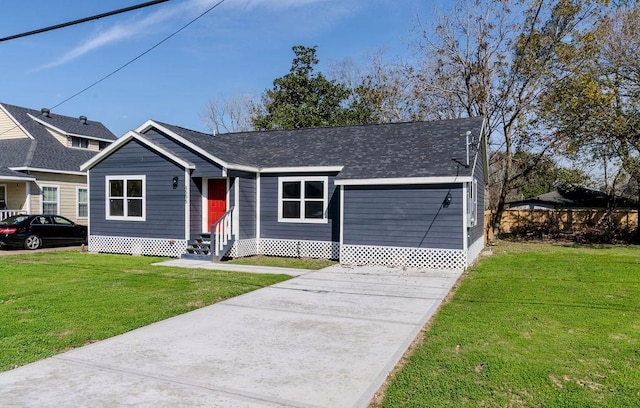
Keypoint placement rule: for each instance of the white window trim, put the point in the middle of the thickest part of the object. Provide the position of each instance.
(144, 198)
(42, 187)
(472, 204)
(302, 179)
(78, 203)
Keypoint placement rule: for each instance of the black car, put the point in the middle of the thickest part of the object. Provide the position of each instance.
(35, 231)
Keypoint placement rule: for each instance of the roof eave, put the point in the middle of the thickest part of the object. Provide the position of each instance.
(404, 180)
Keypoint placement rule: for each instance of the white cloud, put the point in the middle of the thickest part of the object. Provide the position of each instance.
(189, 8)
(123, 31)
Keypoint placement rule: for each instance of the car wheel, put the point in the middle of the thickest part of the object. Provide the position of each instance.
(32, 242)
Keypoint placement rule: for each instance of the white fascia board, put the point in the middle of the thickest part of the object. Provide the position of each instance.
(64, 132)
(403, 180)
(131, 135)
(151, 124)
(73, 173)
(18, 124)
(17, 178)
(298, 169)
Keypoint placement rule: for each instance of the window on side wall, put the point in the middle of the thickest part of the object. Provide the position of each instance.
(472, 203)
(303, 199)
(126, 198)
(83, 202)
(50, 199)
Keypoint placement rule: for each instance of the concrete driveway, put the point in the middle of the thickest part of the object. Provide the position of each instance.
(324, 339)
(12, 251)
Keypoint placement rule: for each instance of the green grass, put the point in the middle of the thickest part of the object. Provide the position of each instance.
(51, 302)
(298, 263)
(535, 325)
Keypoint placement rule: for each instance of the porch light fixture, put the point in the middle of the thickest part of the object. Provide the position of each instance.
(447, 200)
(175, 182)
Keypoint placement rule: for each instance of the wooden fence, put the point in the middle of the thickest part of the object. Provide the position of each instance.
(566, 220)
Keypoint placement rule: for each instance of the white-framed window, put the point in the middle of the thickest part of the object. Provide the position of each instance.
(82, 196)
(303, 199)
(472, 203)
(79, 142)
(125, 198)
(50, 202)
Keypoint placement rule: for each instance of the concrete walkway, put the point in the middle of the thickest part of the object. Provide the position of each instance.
(222, 266)
(327, 338)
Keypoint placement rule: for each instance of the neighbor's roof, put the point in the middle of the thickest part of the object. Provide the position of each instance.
(399, 150)
(43, 151)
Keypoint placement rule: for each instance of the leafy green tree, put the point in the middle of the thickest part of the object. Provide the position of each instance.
(304, 98)
(493, 59)
(594, 105)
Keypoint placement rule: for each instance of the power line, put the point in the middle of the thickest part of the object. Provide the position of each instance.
(140, 55)
(83, 20)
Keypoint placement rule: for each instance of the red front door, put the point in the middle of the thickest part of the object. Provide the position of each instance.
(217, 200)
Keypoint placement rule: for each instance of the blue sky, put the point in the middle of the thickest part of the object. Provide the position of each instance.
(238, 48)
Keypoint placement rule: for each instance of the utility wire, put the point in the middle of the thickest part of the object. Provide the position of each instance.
(140, 55)
(83, 20)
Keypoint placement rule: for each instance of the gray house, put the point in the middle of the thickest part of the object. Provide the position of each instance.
(409, 194)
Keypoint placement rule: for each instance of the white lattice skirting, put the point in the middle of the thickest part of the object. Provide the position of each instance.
(138, 246)
(244, 247)
(299, 248)
(474, 250)
(431, 258)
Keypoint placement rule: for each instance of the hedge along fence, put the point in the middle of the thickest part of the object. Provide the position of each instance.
(565, 221)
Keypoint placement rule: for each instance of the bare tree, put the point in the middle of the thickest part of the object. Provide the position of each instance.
(491, 59)
(229, 115)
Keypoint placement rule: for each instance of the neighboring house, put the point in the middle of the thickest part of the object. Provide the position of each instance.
(40, 158)
(407, 194)
(571, 196)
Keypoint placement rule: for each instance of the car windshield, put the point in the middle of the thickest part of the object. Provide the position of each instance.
(16, 219)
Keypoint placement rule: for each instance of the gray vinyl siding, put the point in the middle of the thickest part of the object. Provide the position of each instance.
(247, 205)
(271, 228)
(476, 232)
(403, 216)
(195, 207)
(204, 167)
(165, 217)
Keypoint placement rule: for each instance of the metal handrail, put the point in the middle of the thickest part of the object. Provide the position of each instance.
(222, 231)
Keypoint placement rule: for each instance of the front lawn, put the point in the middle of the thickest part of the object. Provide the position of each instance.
(55, 301)
(534, 325)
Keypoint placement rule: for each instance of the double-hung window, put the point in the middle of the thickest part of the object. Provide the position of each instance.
(83, 202)
(126, 198)
(50, 199)
(303, 199)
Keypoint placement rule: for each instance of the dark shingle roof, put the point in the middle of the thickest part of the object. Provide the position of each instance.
(44, 151)
(411, 149)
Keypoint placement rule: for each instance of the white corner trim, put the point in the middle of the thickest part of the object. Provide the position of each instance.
(402, 180)
(187, 204)
(258, 208)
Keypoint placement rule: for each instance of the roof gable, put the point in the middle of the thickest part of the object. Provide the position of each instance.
(128, 137)
(40, 149)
